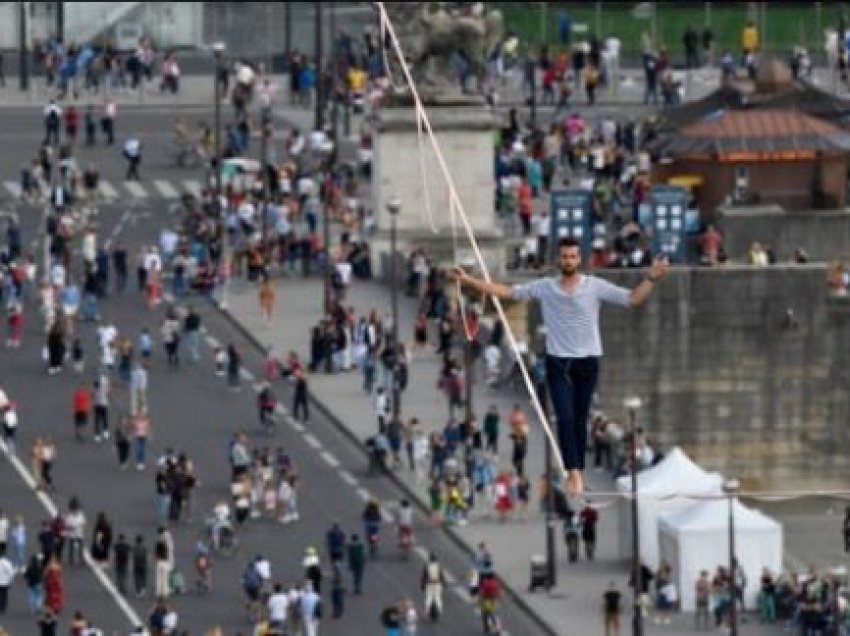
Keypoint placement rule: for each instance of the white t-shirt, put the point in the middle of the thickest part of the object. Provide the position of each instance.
(543, 225)
(247, 212)
(278, 605)
(152, 262)
(132, 147)
(264, 569)
(343, 268)
(168, 241)
(75, 524)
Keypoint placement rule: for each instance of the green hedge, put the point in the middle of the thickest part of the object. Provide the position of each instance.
(783, 24)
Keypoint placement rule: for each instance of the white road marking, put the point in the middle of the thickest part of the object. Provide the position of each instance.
(363, 494)
(246, 375)
(212, 342)
(107, 190)
(298, 426)
(166, 189)
(348, 478)
(48, 504)
(461, 593)
(193, 187)
(13, 187)
(312, 441)
(421, 552)
(387, 516)
(136, 190)
(281, 410)
(330, 460)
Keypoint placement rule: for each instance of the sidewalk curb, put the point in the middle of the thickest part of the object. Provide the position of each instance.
(459, 541)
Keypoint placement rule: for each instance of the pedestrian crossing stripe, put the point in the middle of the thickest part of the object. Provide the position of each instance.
(193, 187)
(136, 190)
(13, 188)
(166, 189)
(107, 190)
(160, 188)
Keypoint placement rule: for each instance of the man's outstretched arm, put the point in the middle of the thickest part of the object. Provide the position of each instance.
(498, 290)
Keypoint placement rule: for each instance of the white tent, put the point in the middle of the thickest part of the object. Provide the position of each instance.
(697, 539)
(668, 486)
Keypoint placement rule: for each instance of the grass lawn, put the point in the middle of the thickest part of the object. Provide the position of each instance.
(782, 24)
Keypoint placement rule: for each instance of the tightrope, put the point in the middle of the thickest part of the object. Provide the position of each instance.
(456, 207)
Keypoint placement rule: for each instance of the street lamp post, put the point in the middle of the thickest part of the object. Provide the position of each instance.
(23, 57)
(318, 113)
(218, 53)
(325, 155)
(730, 489)
(632, 405)
(394, 207)
(468, 361)
(264, 205)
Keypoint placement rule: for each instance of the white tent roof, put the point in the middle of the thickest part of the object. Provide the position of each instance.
(675, 474)
(711, 516)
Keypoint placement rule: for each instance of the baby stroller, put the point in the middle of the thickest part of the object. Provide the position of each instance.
(378, 450)
(203, 570)
(222, 537)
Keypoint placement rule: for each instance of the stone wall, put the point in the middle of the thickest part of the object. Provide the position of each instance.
(825, 234)
(746, 368)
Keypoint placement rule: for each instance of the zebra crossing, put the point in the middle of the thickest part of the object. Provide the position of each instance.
(140, 191)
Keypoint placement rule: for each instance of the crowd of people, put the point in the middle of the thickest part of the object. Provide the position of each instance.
(271, 229)
(77, 69)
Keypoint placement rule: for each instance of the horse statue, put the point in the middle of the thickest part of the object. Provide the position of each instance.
(446, 46)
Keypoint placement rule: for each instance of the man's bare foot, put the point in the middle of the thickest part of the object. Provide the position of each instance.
(575, 483)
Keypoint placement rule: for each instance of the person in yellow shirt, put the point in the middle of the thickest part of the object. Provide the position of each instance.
(357, 80)
(750, 38)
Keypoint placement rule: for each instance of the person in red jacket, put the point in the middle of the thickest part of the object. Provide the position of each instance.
(82, 406)
(489, 593)
(72, 122)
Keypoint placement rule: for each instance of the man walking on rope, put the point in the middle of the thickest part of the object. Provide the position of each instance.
(570, 305)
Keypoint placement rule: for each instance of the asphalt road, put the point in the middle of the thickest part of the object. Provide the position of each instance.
(192, 411)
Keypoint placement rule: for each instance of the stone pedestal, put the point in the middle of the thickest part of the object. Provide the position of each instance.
(465, 132)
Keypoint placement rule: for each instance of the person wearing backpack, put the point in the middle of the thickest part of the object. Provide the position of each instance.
(252, 584)
(156, 619)
(433, 582)
(391, 620)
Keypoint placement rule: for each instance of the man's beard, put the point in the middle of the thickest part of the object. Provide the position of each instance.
(568, 270)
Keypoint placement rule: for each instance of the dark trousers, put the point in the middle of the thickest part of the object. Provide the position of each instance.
(4, 596)
(300, 406)
(121, 576)
(108, 129)
(357, 578)
(140, 581)
(572, 382)
(132, 168)
(101, 419)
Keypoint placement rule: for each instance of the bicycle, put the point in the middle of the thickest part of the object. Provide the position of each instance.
(186, 154)
(267, 403)
(491, 620)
